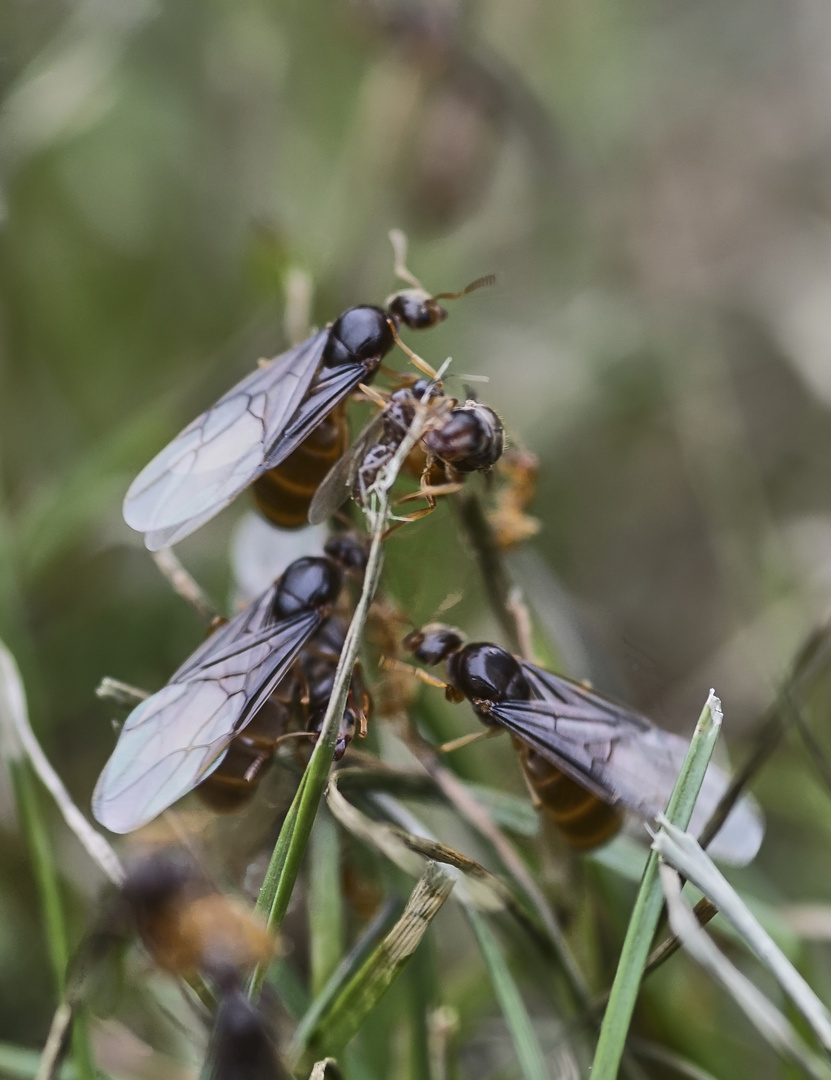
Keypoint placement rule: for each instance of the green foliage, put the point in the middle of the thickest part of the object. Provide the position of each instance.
(648, 184)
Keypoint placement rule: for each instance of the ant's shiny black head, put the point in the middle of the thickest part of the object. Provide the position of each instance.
(418, 390)
(434, 643)
(471, 438)
(488, 673)
(402, 403)
(426, 389)
(415, 309)
(361, 334)
(308, 584)
(349, 551)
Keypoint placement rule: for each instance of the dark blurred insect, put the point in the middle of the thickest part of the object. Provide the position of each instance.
(173, 740)
(186, 924)
(191, 929)
(241, 1046)
(587, 759)
(458, 439)
(464, 108)
(283, 425)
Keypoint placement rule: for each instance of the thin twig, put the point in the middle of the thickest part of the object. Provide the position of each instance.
(120, 692)
(294, 835)
(816, 754)
(299, 291)
(184, 585)
(495, 577)
(96, 846)
(522, 619)
(56, 1041)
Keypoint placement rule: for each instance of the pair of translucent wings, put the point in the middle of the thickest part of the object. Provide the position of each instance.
(174, 739)
(339, 482)
(621, 757)
(252, 428)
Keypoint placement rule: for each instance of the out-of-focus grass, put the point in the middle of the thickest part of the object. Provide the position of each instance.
(650, 186)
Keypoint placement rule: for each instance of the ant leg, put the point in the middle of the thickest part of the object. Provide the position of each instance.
(408, 519)
(466, 740)
(422, 365)
(371, 394)
(431, 493)
(390, 664)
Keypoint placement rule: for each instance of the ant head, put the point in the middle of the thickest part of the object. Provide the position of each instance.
(434, 643)
(349, 551)
(415, 307)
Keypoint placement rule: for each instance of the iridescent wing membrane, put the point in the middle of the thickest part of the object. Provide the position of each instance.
(340, 480)
(252, 427)
(621, 757)
(175, 738)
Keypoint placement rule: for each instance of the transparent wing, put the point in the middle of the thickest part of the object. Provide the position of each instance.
(327, 391)
(175, 738)
(223, 450)
(622, 757)
(339, 481)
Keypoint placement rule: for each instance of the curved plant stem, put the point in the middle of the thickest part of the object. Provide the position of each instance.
(290, 848)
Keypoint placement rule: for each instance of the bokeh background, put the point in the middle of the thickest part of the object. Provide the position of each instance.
(650, 184)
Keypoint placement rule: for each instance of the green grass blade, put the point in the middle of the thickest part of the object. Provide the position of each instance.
(294, 836)
(647, 909)
(19, 1063)
(325, 907)
(528, 1050)
(474, 890)
(763, 1014)
(13, 723)
(344, 973)
(337, 1025)
(683, 853)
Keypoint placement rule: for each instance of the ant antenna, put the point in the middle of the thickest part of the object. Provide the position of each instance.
(398, 239)
(450, 601)
(480, 283)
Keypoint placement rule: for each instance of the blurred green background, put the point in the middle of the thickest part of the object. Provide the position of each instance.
(650, 184)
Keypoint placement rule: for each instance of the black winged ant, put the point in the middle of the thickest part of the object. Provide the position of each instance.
(459, 438)
(587, 759)
(280, 428)
(303, 694)
(192, 930)
(178, 737)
